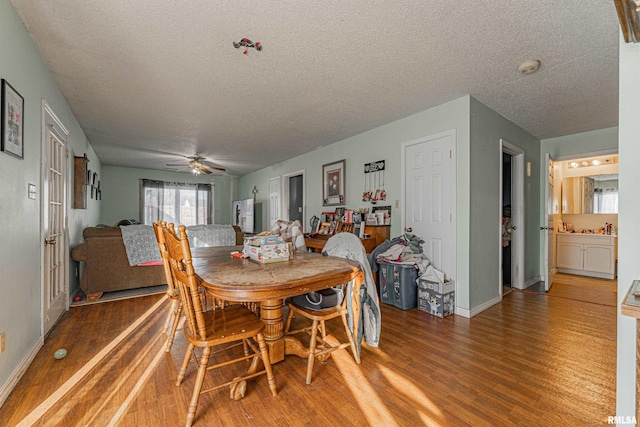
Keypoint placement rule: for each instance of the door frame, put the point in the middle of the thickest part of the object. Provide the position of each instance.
(545, 256)
(51, 121)
(517, 215)
(285, 196)
(454, 201)
(277, 180)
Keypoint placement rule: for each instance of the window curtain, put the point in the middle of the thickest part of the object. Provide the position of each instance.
(175, 202)
(606, 200)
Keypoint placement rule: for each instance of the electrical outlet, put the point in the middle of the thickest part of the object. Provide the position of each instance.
(2, 342)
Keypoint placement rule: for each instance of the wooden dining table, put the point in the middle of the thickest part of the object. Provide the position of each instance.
(244, 280)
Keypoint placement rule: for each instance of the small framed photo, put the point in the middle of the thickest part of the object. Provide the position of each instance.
(333, 177)
(324, 228)
(12, 121)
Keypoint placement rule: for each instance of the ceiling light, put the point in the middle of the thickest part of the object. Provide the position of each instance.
(529, 66)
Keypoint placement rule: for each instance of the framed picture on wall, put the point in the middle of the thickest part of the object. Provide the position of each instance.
(333, 177)
(12, 121)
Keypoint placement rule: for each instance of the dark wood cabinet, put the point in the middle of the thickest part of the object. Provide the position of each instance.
(80, 176)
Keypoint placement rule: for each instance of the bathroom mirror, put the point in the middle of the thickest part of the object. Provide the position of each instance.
(595, 194)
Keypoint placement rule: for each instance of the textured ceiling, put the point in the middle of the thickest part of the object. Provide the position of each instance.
(150, 81)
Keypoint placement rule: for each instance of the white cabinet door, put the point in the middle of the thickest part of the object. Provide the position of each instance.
(569, 255)
(599, 258)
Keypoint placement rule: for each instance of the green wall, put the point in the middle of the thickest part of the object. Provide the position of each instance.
(601, 141)
(121, 192)
(21, 255)
(487, 129)
(628, 224)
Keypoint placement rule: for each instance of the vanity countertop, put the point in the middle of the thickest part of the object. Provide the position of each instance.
(566, 233)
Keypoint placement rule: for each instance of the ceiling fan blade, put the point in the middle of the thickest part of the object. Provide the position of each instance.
(175, 164)
(204, 169)
(214, 167)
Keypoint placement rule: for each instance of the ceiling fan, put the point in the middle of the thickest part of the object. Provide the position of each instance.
(199, 165)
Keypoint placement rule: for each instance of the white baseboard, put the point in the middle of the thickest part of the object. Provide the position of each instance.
(9, 385)
(477, 309)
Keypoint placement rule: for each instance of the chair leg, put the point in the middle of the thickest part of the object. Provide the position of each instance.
(354, 349)
(177, 314)
(289, 319)
(312, 350)
(185, 364)
(172, 311)
(264, 351)
(202, 370)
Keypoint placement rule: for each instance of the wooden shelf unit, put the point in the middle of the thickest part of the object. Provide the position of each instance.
(80, 166)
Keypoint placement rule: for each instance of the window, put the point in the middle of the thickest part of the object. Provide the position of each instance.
(174, 202)
(605, 200)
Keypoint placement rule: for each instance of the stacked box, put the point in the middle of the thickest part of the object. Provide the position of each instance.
(398, 284)
(262, 240)
(436, 298)
(267, 249)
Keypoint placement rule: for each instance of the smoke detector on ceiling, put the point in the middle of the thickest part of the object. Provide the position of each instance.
(529, 66)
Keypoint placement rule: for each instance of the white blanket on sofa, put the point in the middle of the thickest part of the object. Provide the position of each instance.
(140, 243)
(204, 236)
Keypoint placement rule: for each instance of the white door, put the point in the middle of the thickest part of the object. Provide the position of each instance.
(274, 201)
(56, 246)
(548, 227)
(429, 195)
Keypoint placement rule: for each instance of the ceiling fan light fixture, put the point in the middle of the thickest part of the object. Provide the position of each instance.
(529, 66)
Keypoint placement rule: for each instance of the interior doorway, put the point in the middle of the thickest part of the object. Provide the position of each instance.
(507, 224)
(512, 220)
(294, 196)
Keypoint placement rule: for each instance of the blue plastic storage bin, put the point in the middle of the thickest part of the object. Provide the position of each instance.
(398, 285)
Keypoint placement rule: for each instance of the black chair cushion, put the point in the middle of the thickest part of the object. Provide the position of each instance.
(320, 300)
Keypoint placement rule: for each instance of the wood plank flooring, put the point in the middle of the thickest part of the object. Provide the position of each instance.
(534, 359)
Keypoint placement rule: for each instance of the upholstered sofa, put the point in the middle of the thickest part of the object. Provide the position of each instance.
(107, 266)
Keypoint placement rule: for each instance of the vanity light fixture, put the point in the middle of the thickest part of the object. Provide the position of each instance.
(595, 162)
(574, 164)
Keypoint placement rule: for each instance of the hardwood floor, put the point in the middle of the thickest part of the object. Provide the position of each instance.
(534, 359)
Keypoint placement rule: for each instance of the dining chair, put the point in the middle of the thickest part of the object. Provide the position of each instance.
(319, 307)
(175, 310)
(345, 227)
(209, 327)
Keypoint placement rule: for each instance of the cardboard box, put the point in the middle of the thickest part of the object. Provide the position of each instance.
(269, 253)
(436, 298)
(262, 240)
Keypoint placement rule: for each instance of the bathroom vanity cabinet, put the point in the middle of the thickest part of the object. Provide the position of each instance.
(587, 254)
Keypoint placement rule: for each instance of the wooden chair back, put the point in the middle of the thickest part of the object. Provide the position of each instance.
(346, 227)
(162, 246)
(184, 278)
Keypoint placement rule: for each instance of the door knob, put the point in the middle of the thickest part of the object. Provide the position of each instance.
(408, 229)
(50, 241)
(515, 227)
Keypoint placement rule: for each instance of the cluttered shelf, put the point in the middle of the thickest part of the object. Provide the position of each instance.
(372, 228)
